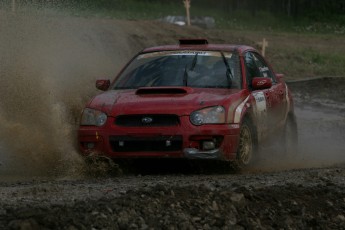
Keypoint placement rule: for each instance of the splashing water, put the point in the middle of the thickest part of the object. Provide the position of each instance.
(47, 66)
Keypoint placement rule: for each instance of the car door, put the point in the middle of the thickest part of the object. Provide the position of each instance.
(268, 102)
(262, 97)
(276, 95)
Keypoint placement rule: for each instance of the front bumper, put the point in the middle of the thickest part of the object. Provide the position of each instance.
(181, 141)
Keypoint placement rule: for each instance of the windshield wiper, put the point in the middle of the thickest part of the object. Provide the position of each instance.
(194, 62)
(229, 74)
(185, 76)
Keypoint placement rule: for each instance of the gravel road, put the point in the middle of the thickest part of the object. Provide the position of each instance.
(303, 192)
(305, 198)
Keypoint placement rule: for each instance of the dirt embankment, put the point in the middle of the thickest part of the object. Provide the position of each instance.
(48, 65)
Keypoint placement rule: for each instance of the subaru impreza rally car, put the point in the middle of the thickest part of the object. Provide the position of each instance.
(192, 100)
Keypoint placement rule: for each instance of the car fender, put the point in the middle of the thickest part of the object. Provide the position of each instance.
(249, 109)
(241, 109)
(246, 111)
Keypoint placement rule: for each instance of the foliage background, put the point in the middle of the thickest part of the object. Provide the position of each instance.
(287, 15)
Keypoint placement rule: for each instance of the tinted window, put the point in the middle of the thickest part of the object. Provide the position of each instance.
(264, 70)
(256, 67)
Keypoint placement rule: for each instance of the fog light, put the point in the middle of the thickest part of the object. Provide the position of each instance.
(168, 143)
(90, 145)
(208, 145)
(121, 143)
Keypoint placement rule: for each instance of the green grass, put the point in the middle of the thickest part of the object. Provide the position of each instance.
(323, 64)
(308, 62)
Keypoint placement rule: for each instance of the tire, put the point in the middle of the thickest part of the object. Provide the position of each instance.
(290, 136)
(246, 147)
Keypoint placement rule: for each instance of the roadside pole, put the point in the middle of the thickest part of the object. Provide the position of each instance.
(187, 6)
(263, 46)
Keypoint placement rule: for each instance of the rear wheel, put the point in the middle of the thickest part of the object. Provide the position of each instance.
(246, 146)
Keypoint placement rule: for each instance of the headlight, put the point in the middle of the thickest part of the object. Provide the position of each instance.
(93, 117)
(210, 115)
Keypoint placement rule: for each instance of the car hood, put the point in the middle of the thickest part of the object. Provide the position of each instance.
(177, 100)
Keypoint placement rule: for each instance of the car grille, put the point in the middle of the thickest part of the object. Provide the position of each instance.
(147, 120)
(145, 144)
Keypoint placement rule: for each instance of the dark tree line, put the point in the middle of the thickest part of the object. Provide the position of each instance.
(313, 9)
(291, 8)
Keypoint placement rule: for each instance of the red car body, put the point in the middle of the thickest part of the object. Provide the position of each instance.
(162, 121)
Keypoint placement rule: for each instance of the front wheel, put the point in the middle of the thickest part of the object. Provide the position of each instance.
(246, 146)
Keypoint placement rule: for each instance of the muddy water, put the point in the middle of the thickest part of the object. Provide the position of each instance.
(48, 65)
(321, 133)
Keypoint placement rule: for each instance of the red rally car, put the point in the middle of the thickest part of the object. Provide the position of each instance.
(192, 100)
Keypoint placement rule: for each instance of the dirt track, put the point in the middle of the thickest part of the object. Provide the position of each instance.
(48, 68)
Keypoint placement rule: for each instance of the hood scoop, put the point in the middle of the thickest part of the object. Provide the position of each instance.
(162, 90)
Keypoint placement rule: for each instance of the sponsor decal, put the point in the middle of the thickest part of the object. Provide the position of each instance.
(183, 52)
(262, 82)
(260, 106)
(191, 52)
(227, 55)
(263, 69)
(260, 110)
(260, 101)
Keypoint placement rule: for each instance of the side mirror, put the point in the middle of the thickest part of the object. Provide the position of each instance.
(261, 83)
(102, 84)
(280, 77)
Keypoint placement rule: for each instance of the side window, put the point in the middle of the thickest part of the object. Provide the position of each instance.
(251, 68)
(264, 70)
(256, 67)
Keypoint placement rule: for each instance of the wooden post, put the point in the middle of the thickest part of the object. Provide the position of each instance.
(263, 46)
(13, 5)
(187, 6)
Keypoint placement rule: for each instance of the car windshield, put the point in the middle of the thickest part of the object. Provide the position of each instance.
(199, 69)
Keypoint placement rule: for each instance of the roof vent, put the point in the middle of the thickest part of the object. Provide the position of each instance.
(198, 41)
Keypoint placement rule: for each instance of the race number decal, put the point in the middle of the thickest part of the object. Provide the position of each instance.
(260, 102)
(260, 110)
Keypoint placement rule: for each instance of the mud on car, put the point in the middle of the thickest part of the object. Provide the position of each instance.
(192, 100)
